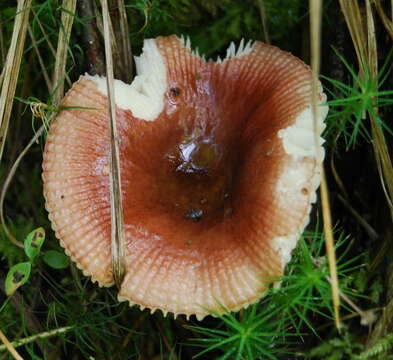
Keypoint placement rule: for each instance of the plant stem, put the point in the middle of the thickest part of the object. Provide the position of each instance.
(117, 216)
(262, 12)
(315, 29)
(9, 346)
(32, 338)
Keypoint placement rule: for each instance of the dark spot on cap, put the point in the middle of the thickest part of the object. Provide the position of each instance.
(194, 214)
(62, 197)
(175, 91)
(304, 191)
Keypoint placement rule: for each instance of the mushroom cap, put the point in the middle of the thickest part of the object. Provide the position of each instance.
(218, 168)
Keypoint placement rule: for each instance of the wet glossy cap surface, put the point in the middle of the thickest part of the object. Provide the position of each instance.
(216, 188)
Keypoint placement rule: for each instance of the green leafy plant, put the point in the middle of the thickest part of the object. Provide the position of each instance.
(56, 259)
(19, 274)
(351, 102)
(305, 290)
(63, 314)
(255, 333)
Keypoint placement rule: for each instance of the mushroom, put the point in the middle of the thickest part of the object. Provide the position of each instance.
(218, 167)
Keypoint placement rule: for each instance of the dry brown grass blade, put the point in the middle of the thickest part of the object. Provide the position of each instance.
(12, 66)
(40, 60)
(37, 19)
(67, 20)
(116, 61)
(353, 18)
(2, 49)
(118, 235)
(385, 167)
(385, 20)
(372, 56)
(335, 174)
(262, 13)
(10, 347)
(121, 50)
(59, 75)
(366, 51)
(315, 32)
(47, 37)
(372, 234)
(2, 76)
(125, 46)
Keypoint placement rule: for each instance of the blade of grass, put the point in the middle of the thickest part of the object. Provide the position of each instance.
(366, 226)
(47, 38)
(353, 18)
(58, 81)
(117, 220)
(12, 67)
(7, 183)
(62, 45)
(315, 28)
(385, 20)
(366, 51)
(40, 60)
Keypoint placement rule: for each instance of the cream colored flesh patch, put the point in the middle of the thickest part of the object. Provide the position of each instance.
(299, 142)
(298, 139)
(145, 95)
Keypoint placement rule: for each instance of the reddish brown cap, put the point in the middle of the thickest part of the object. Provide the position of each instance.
(218, 169)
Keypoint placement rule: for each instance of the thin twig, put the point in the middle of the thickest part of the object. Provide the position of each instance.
(315, 28)
(90, 37)
(334, 170)
(9, 346)
(367, 317)
(117, 220)
(366, 226)
(164, 338)
(43, 335)
(125, 53)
